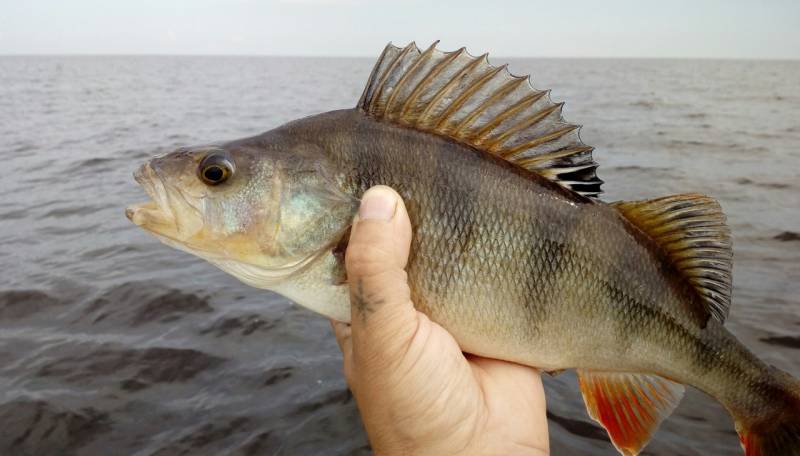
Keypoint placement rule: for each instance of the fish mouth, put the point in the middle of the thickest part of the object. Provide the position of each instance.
(155, 215)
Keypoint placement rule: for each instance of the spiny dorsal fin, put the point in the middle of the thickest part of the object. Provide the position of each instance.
(465, 98)
(692, 231)
(629, 406)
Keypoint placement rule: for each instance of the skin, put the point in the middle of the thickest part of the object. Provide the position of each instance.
(416, 391)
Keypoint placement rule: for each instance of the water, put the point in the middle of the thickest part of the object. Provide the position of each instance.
(110, 340)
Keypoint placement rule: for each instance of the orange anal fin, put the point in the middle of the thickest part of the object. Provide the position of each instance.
(629, 406)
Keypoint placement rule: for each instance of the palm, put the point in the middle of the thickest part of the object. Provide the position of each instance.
(437, 390)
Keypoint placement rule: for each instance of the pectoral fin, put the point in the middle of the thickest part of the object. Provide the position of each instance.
(630, 406)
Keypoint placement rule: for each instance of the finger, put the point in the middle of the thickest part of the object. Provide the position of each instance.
(344, 336)
(382, 315)
(383, 223)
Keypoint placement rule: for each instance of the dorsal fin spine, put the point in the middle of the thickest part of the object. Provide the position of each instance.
(468, 93)
(508, 112)
(369, 90)
(408, 75)
(555, 172)
(431, 74)
(448, 87)
(498, 141)
(557, 154)
(490, 100)
(467, 99)
(538, 141)
(379, 89)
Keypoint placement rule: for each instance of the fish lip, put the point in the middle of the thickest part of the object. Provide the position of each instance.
(132, 210)
(155, 188)
(144, 176)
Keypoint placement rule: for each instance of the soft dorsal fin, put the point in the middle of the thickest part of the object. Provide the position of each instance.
(630, 406)
(465, 98)
(692, 232)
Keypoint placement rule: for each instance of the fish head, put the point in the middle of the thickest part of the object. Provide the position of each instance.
(260, 211)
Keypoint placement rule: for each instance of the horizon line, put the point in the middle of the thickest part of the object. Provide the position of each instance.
(344, 56)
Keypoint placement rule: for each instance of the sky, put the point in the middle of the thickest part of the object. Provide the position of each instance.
(746, 29)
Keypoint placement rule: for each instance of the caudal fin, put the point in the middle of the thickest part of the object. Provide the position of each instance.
(779, 434)
(781, 439)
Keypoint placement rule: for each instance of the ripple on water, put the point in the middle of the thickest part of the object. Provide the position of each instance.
(70, 211)
(782, 341)
(775, 185)
(94, 165)
(36, 427)
(243, 325)
(787, 236)
(209, 438)
(579, 427)
(19, 304)
(278, 374)
(134, 369)
(139, 303)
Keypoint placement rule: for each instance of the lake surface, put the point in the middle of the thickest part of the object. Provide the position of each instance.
(111, 341)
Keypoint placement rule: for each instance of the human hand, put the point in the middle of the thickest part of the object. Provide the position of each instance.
(416, 391)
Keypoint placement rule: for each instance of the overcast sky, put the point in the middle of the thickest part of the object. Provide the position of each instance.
(605, 28)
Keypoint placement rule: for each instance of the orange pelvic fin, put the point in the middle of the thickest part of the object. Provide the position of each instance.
(630, 406)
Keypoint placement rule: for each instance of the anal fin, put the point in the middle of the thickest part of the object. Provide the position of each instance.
(630, 406)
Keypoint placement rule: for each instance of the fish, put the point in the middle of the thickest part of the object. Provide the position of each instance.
(513, 250)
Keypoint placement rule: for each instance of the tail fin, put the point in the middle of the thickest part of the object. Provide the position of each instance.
(779, 435)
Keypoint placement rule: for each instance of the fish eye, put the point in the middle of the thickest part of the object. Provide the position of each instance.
(215, 169)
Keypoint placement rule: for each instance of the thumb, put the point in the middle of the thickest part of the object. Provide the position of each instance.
(383, 318)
